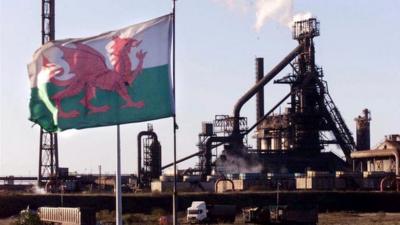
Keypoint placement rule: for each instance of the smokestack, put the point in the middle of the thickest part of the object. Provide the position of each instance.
(363, 130)
(260, 94)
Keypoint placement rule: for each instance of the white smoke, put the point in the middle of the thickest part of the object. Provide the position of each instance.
(170, 171)
(302, 16)
(232, 164)
(280, 11)
(277, 10)
(38, 190)
(242, 6)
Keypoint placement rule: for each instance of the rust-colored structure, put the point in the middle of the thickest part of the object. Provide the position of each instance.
(260, 94)
(363, 136)
(149, 145)
(311, 111)
(291, 141)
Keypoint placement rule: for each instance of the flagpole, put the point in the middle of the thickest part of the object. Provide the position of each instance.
(118, 198)
(175, 127)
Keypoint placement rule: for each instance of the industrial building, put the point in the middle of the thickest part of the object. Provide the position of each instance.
(290, 151)
(383, 158)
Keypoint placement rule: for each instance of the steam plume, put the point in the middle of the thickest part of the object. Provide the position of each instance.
(38, 190)
(234, 5)
(280, 11)
(238, 163)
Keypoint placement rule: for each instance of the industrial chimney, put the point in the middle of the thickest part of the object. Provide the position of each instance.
(363, 130)
(260, 94)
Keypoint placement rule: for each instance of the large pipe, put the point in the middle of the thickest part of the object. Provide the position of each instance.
(260, 94)
(183, 159)
(223, 179)
(267, 114)
(139, 143)
(208, 151)
(188, 157)
(389, 178)
(267, 78)
(394, 179)
(378, 153)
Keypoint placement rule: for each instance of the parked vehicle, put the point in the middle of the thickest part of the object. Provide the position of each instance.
(200, 212)
(258, 215)
(281, 214)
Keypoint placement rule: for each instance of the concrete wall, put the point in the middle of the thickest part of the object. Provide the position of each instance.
(315, 183)
(167, 186)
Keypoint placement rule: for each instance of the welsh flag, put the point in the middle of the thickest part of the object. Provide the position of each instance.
(118, 77)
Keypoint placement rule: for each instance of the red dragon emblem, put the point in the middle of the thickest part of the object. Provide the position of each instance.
(91, 72)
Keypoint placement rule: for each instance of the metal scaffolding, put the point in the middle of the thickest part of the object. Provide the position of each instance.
(48, 148)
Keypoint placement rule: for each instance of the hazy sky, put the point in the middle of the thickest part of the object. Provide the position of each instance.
(358, 49)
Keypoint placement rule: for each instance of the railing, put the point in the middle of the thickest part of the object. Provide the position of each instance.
(334, 118)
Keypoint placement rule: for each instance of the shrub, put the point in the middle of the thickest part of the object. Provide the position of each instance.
(158, 212)
(27, 217)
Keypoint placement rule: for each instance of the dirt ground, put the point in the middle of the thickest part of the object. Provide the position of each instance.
(347, 218)
(338, 218)
(5, 221)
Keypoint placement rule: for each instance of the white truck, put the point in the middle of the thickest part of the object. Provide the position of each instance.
(200, 212)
